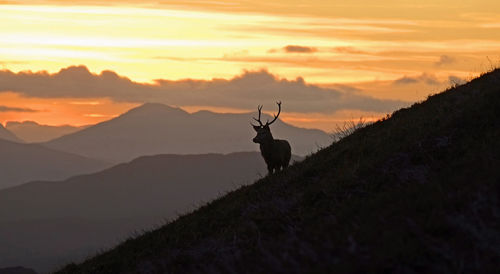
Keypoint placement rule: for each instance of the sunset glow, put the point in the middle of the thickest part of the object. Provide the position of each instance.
(397, 50)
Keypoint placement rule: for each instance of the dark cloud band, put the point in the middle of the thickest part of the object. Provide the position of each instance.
(244, 91)
(299, 49)
(16, 109)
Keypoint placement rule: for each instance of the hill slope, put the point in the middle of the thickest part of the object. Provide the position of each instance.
(16, 270)
(20, 163)
(33, 132)
(159, 129)
(86, 213)
(5, 134)
(416, 193)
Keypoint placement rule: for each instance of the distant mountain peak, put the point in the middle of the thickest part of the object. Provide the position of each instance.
(33, 132)
(7, 135)
(15, 123)
(154, 128)
(154, 108)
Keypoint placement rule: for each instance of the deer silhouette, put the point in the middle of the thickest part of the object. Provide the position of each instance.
(276, 152)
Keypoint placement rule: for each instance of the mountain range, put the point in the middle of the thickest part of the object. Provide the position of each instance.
(32, 132)
(20, 163)
(46, 224)
(159, 129)
(5, 134)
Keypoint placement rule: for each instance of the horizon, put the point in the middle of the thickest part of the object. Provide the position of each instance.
(188, 109)
(341, 61)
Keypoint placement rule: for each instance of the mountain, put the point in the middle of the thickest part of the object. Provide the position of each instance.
(5, 134)
(46, 224)
(417, 192)
(33, 132)
(159, 129)
(16, 270)
(20, 163)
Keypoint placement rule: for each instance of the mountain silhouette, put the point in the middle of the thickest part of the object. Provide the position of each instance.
(5, 134)
(33, 132)
(20, 163)
(68, 220)
(16, 270)
(416, 192)
(159, 129)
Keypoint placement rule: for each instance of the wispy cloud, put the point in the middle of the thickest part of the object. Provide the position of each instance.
(455, 80)
(349, 50)
(292, 49)
(16, 109)
(425, 78)
(99, 115)
(299, 49)
(445, 60)
(85, 103)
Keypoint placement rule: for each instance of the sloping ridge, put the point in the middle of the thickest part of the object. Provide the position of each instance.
(32, 132)
(417, 192)
(16, 270)
(20, 163)
(5, 134)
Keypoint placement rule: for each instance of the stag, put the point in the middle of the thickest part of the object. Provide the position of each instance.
(276, 152)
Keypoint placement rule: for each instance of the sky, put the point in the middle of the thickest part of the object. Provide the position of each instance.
(84, 62)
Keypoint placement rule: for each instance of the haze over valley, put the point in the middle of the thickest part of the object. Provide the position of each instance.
(86, 213)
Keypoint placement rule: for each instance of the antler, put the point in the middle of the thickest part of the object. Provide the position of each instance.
(260, 112)
(275, 116)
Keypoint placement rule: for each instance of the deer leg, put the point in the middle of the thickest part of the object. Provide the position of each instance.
(270, 170)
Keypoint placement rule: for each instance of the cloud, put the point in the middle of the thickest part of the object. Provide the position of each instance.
(16, 109)
(349, 50)
(294, 49)
(304, 49)
(425, 78)
(445, 60)
(455, 80)
(244, 91)
(299, 49)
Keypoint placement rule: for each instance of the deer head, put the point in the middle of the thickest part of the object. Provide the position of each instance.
(263, 131)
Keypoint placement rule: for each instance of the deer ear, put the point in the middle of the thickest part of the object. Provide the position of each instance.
(266, 127)
(256, 128)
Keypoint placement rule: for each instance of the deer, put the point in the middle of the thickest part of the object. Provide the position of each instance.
(276, 153)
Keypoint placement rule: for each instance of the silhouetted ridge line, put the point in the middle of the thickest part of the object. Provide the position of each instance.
(20, 163)
(159, 129)
(33, 132)
(154, 108)
(5, 134)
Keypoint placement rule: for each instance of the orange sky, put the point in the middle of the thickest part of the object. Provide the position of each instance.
(385, 49)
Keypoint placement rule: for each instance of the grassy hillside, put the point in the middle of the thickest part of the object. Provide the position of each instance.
(416, 192)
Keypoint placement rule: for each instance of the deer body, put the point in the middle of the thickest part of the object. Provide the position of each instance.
(276, 153)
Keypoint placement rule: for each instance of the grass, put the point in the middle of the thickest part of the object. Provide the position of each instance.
(347, 128)
(415, 192)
